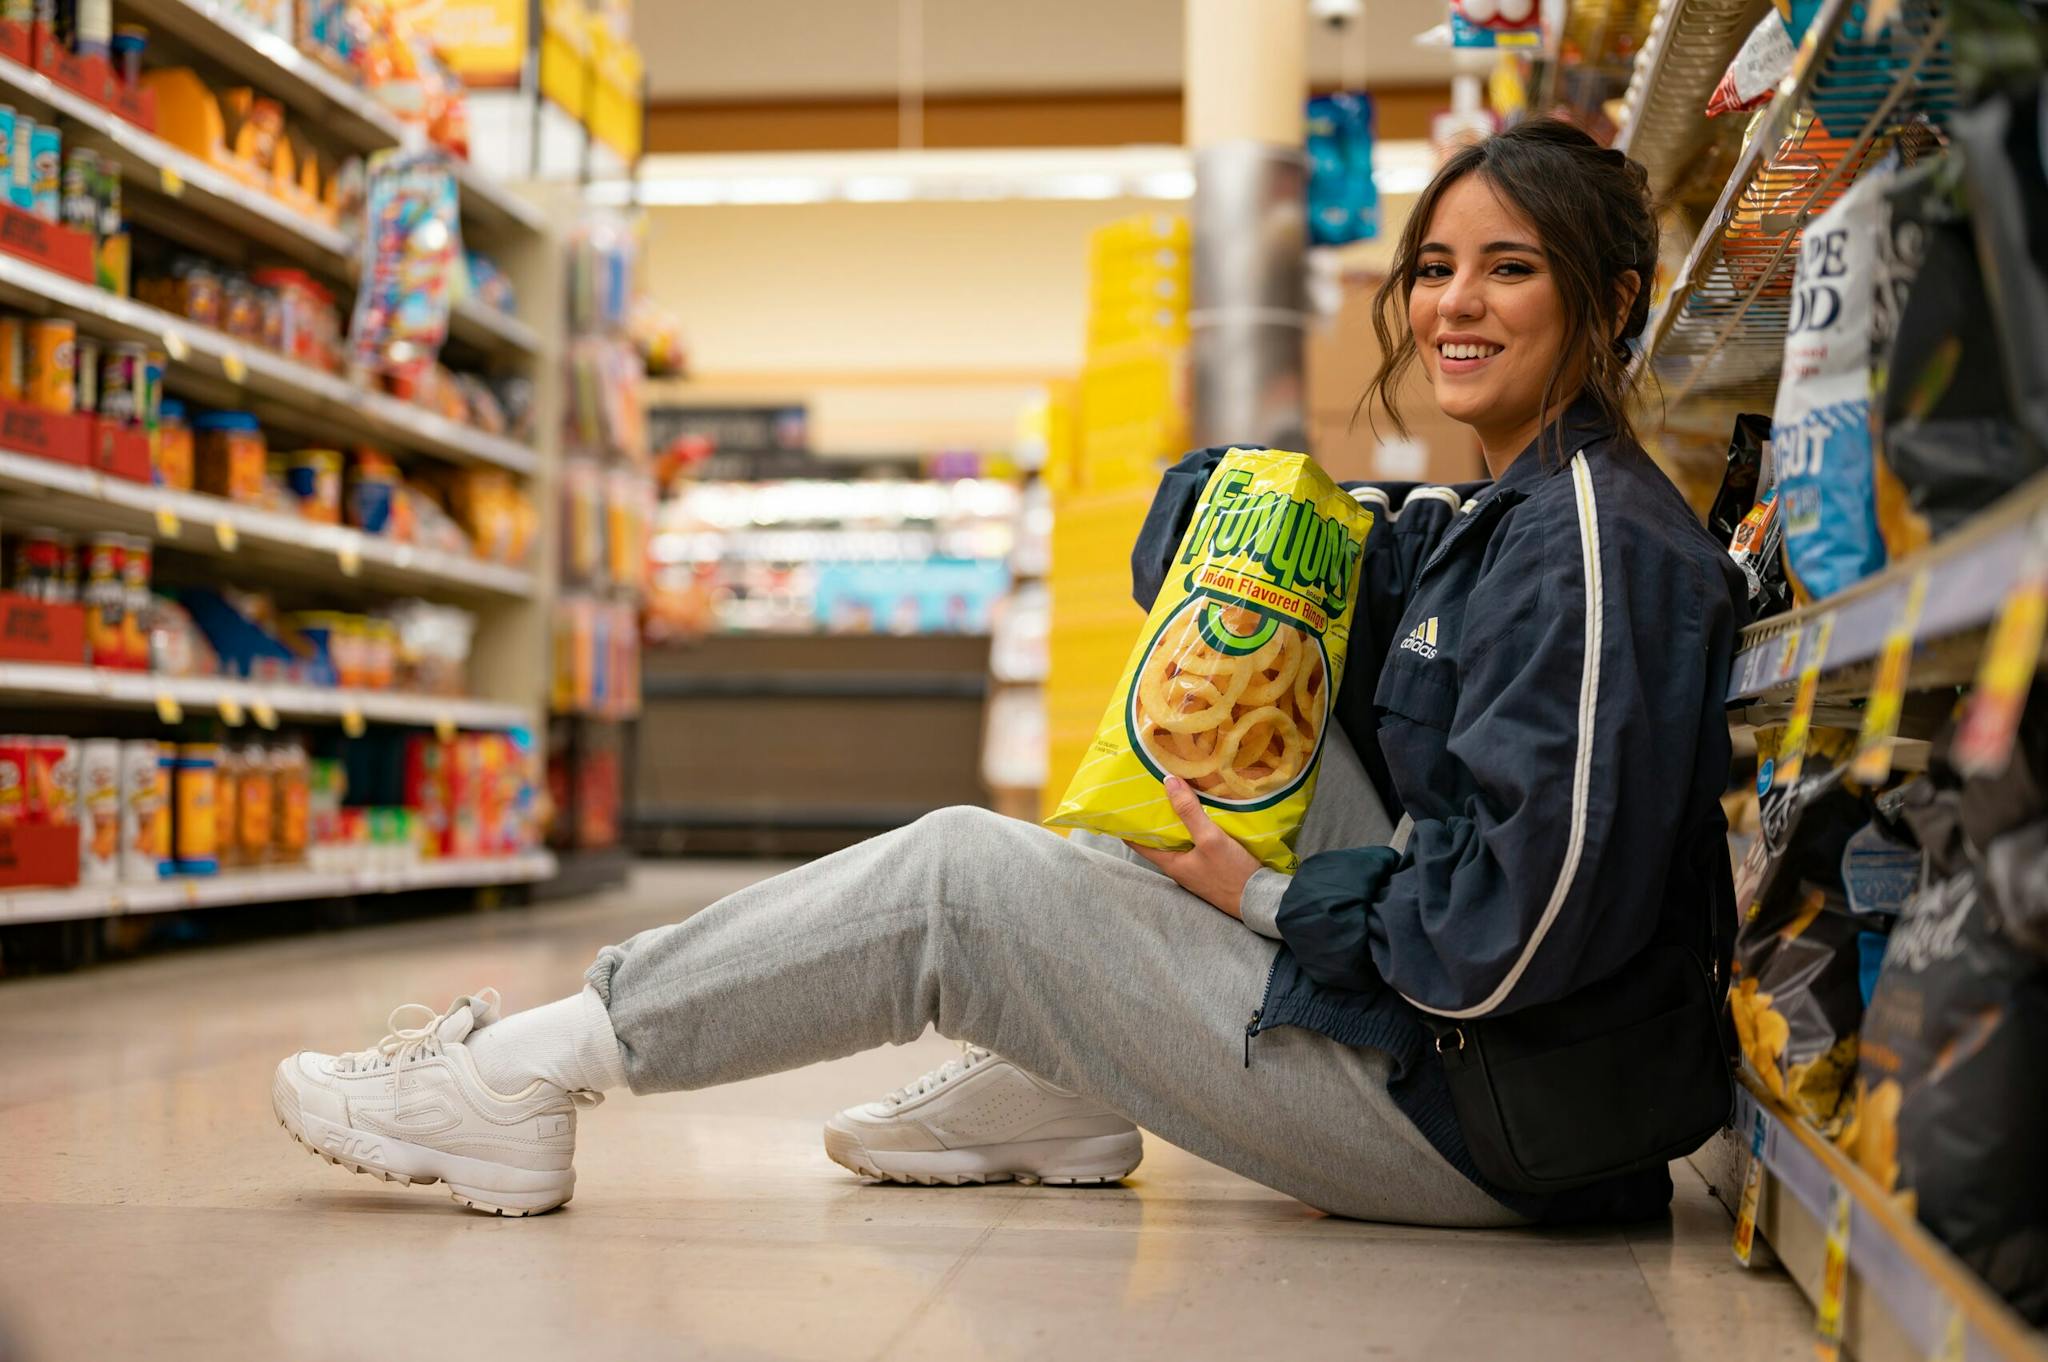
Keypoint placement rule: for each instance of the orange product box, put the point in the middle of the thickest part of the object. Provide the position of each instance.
(38, 856)
(41, 631)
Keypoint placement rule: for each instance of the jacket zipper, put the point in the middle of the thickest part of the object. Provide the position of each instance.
(1251, 1028)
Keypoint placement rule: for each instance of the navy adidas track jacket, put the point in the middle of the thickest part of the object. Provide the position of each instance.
(1536, 678)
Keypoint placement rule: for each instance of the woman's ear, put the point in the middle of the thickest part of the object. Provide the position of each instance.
(1626, 287)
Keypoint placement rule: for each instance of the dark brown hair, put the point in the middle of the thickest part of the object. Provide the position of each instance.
(1591, 209)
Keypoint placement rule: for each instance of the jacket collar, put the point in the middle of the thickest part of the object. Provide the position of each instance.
(1580, 426)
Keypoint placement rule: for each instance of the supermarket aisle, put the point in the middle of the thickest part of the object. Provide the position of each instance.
(150, 1207)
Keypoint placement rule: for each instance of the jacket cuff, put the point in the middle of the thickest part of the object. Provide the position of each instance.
(1260, 904)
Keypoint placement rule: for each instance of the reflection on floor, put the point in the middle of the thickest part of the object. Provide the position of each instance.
(150, 1208)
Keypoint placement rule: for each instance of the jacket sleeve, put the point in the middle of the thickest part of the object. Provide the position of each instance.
(1173, 506)
(1551, 874)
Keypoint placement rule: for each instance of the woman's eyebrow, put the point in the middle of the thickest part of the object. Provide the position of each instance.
(1490, 248)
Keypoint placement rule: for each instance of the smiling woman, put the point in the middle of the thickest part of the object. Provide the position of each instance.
(1522, 272)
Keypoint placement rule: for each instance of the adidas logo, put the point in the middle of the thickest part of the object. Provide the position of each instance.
(1421, 639)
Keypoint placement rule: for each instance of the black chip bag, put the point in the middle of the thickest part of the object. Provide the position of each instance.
(1800, 953)
(1952, 1105)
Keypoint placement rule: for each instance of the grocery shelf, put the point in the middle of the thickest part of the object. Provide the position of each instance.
(1906, 1295)
(102, 687)
(1676, 70)
(155, 164)
(217, 196)
(489, 328)
(298, 395)
(323, 96)
(1969, 574)
(1718, 339)
(268, 886)
(77, 498)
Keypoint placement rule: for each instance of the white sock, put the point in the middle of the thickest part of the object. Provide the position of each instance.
(569, 1043)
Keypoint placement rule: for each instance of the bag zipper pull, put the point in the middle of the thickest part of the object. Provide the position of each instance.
(1251, 1029)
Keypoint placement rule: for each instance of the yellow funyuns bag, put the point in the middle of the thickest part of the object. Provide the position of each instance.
(1231, 681)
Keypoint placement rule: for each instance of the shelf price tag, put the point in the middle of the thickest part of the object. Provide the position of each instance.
(167, 522)
(349, 555)
(173, 182)
(1873, 761)
(1991, 717)
(168, 710)
(231, 711)
(1788, 656)
(262, 712)
(1752, 1191)
(444, 727)
(1834, 1276)
(175, 346)
(234, 366)
(1792, 751)
(227, 536)
(1955, 1337)
(352, 721)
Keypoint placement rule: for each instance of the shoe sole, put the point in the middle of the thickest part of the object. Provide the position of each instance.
(1093, 1161)
(492, 1188)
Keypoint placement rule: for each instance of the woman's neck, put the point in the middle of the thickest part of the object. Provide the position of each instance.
(1502, 445)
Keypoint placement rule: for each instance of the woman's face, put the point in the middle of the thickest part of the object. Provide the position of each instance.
(1487, 318)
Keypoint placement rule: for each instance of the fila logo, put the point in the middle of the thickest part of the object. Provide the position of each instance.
(1421, 639)
(550, 1126)
(350, 1146)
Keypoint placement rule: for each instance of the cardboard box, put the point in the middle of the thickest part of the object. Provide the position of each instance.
(1343, 355)
(42, 242)
(38, 856)
(38, 631)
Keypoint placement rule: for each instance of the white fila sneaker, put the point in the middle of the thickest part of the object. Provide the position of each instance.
(412, 1109)
(980, 1118)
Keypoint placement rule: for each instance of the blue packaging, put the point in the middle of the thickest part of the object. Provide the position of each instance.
(21, 173)
(46, 158)
(1343, 201)
(1820, 428)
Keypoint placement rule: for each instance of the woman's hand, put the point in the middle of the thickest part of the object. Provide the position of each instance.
(1218, 866)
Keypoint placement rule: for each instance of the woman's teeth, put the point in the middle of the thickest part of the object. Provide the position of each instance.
(1469, 351)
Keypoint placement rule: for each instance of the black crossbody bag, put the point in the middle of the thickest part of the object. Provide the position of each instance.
(1624, 1074)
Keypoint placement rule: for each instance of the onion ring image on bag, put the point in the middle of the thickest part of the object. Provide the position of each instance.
(1232, 701)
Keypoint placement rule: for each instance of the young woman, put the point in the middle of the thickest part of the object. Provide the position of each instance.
(1535, 686)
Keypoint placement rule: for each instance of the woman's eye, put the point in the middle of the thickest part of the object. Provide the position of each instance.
(1435, 269)
(1513, 268)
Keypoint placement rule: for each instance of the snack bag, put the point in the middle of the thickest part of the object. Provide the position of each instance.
(1821, 427)
(1752, 76)
(1952, 1113)
(1230, 683)
(1818, 889)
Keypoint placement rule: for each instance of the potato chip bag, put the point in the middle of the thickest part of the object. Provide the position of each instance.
(1230, 683)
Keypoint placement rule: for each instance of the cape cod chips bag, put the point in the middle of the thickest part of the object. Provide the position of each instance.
(1230, 683)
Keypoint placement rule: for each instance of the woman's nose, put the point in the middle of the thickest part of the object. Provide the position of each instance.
(1460, 300)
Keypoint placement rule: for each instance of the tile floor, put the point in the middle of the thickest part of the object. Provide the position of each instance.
(151, 1209)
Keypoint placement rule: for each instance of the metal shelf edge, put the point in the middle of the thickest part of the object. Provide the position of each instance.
(267, 886)
(1969, 574)
(1920, 1282)
(98, 686)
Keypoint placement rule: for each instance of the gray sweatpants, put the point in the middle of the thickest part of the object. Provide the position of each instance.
(1070, 956)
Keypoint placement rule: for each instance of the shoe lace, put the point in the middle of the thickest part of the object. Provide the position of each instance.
(970, 1055)
(403, 1045)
